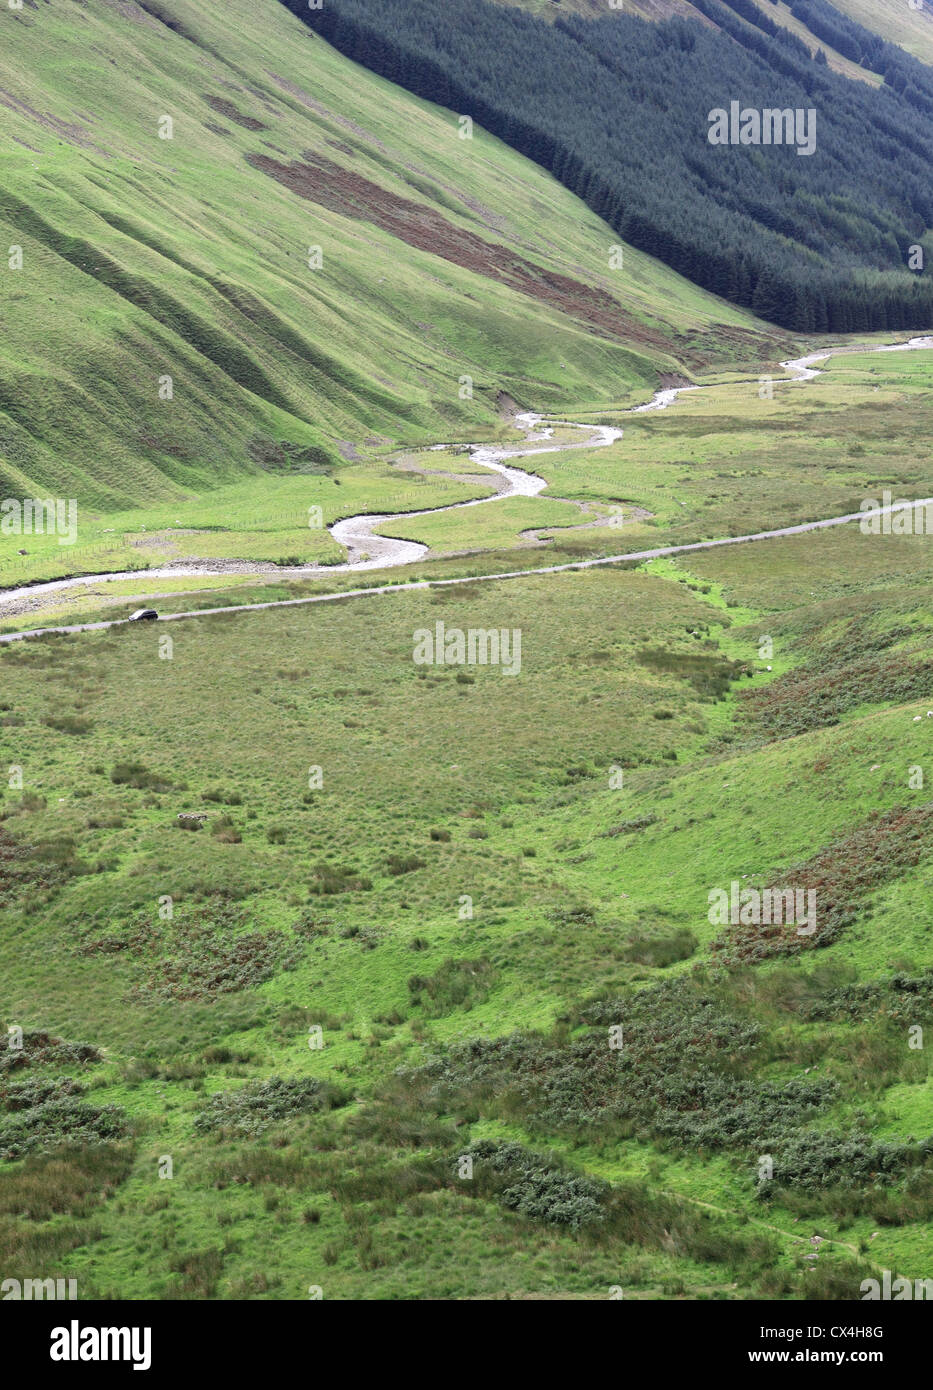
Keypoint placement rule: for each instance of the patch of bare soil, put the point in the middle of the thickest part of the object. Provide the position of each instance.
(162, 541)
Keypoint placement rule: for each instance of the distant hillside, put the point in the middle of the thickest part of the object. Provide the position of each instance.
(895, 20)
(166, 332)
(824, 242)
(595, 9)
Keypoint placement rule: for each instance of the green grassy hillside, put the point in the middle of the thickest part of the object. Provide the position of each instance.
(188, 258)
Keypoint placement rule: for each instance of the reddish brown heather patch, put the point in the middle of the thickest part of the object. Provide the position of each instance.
(810, 697)
(223, 107)
(352, 195)
(881, 849)
(199, 956)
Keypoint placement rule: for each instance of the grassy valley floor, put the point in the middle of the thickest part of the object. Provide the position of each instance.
(422, 896)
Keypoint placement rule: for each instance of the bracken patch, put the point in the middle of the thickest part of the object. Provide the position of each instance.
(841, 875)
(352, 195)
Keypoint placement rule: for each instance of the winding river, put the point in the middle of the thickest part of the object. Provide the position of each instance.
(369, 550)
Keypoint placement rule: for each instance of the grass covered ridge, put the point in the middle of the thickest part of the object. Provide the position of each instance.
(180, 258)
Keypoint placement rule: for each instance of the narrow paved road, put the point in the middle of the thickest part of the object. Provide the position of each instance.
(357, 531)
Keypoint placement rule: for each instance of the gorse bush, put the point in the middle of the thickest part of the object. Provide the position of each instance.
(827, 1158)
(40, 1049)
(535, 1187)
(25, 1095)
(667, 1065)
(254, 1107)
(900, 998)
(56, 1121)
(679, 1075)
